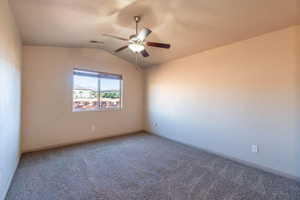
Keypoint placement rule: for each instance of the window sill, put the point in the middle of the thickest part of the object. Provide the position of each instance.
(98, 110)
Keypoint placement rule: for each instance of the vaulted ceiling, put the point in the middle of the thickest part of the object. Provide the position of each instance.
(190, 26)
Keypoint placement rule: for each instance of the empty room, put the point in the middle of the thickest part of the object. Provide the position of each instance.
(149, 100)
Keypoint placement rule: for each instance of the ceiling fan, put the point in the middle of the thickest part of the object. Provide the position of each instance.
(137, 42)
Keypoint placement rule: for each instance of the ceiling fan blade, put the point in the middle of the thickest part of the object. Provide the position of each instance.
(116, 37)
(121, 48)
(96, 42)
(160, 45)
(143, 34)
(145, 53)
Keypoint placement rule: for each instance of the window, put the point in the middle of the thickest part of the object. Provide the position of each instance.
(96, 90)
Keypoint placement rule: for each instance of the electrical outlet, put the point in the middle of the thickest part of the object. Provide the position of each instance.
(154, 124)
(93, 128)
(254, 148)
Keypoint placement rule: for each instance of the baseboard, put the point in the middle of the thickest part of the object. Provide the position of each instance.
(243, 162)
(55, 146)
(3, 196)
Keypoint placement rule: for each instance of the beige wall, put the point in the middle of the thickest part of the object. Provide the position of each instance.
(47, 97)
(10, 98)
(226, 99)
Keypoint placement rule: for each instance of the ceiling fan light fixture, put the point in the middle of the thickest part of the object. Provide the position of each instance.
(136, 47)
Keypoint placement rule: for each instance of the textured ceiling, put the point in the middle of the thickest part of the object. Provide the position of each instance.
(190, 26)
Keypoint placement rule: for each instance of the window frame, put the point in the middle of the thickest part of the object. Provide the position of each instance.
(99, 109)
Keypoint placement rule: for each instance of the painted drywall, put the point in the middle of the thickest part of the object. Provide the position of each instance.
(10, 98)
(48, 119)
(226, 99)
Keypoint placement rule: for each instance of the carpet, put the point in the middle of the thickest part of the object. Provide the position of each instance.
(142, 167)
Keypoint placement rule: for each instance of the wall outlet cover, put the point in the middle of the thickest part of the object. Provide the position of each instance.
(254, 148)
(93, 128)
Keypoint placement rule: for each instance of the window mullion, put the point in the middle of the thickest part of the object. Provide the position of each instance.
(99, 94)
(121, 93)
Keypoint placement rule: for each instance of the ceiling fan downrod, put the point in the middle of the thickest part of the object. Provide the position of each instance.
(137, 19)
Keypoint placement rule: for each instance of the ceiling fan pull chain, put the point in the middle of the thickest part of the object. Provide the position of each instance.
(136, 58)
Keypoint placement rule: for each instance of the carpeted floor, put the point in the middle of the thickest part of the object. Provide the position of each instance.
(140, 167)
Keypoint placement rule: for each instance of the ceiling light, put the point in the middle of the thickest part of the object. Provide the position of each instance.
(136, 47)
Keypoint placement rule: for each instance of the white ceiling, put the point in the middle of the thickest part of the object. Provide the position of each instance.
(190, 26)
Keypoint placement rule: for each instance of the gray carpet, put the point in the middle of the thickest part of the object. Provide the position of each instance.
(140, 167)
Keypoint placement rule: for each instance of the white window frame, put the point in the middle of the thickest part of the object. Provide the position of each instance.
(99, 91)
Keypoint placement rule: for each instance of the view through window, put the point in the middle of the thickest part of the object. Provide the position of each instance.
(96, 90)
